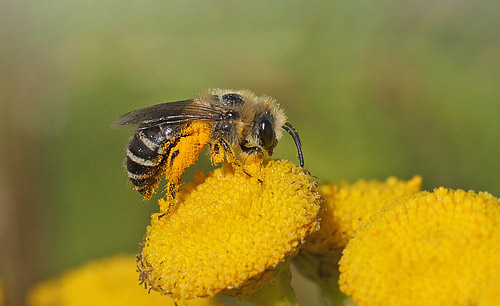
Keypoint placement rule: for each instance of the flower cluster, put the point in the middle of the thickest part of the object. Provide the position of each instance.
(235, 230)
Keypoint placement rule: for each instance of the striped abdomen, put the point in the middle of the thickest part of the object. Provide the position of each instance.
(145, 160)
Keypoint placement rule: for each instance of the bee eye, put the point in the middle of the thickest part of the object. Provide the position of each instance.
(266, 133)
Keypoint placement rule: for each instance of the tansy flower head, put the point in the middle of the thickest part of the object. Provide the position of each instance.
(439, 248)
(347, 206)
(106, 282)
(229, 230)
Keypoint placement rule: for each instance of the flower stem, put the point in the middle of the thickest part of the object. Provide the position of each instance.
(330, 294)
(279, 293)
(324, 271)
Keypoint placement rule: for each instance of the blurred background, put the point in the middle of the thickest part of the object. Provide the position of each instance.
(375, 88)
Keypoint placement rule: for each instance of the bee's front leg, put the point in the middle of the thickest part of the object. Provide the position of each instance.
(216, 153)
(220, 149)
(228, 151)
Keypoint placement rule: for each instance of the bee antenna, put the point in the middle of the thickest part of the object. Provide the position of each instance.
(291, 130)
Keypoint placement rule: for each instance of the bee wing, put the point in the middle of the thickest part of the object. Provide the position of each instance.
(171, 113)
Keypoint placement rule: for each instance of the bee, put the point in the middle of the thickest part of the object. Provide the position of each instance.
(170, 136)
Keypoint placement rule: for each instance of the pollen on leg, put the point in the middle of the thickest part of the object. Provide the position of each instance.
(216, 153)
(184, 151)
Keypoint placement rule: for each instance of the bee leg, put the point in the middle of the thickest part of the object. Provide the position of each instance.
(252, 150)
(216, 154)
(220, 149)
(254, 154)
(228, 148)
(250, 175)
(171, 192)
(231, 156)
(228, 151)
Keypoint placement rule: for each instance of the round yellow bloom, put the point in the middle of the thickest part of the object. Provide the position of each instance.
(107, 282)
(347, 206)
(439, 248)
(230, 230)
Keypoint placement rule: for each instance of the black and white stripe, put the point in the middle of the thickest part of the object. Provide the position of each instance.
(145, 154)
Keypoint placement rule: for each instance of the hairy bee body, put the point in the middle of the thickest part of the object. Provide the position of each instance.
(170, 136)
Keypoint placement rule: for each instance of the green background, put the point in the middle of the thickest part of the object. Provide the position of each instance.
(375, 88)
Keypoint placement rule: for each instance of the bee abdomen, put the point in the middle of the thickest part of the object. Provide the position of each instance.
(144, 157)
(143, 178)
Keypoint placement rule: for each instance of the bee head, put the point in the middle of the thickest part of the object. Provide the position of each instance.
(268, 138)
(263, 121)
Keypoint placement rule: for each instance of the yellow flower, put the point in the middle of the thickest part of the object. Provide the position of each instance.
(106, 282)
(229, 231)
(439, 248)
(347, 206)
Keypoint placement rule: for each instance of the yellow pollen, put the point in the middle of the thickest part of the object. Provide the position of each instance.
(193, 139)
(439, 248)
(229, 231)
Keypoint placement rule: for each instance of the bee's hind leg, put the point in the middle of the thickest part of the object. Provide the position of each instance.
(168, 204)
